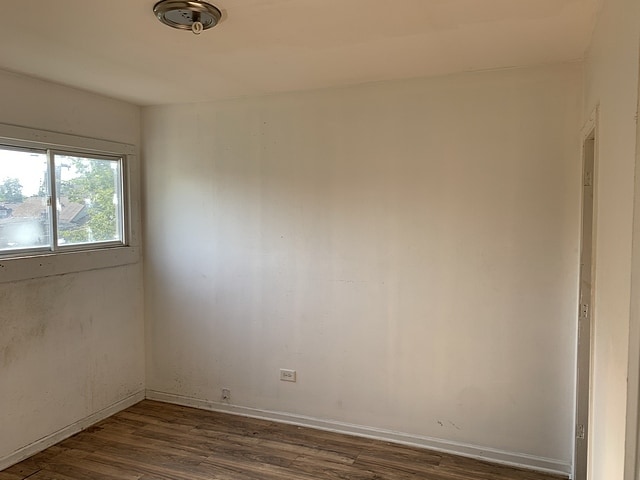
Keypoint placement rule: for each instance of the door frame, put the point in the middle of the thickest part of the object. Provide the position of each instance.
(632, 436)
(582, 439)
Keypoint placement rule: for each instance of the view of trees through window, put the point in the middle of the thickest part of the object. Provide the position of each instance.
(93, 185)
(11, 191)
(86, 197)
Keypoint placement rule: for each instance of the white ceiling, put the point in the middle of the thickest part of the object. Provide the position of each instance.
(118, 48)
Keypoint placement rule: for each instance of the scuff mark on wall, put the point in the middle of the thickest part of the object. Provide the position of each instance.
(454, 425)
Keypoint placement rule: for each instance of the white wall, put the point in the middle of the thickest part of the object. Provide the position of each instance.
(611, 80)
(411, 248)
(70, 345)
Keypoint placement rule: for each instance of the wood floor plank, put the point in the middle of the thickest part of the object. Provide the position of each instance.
(49, 475)
(322, 468)
(10, 476)
(227, 446)
(158, 441)
(287, 447)
(462, 468)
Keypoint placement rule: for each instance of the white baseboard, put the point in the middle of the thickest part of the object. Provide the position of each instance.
(50, 440)
(520, 460)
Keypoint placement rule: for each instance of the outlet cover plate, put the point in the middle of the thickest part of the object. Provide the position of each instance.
(287, 375)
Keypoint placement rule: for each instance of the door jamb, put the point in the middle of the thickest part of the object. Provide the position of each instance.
(589, 129)
(632, 436)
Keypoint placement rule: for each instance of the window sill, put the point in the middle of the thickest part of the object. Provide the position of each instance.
(50, 264)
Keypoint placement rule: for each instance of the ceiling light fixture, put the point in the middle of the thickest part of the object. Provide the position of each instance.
(187, 15)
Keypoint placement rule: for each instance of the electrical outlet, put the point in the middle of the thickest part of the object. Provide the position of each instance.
(287, 375)
(226, 394)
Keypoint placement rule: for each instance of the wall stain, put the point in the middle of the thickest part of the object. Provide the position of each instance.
(9, 355)
(29, 313)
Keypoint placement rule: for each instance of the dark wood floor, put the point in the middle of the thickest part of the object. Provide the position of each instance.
(153, 441)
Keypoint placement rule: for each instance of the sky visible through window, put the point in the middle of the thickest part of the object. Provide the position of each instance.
(28, 167)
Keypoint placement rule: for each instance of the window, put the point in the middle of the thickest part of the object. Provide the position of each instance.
(56, 200)
(67, 203)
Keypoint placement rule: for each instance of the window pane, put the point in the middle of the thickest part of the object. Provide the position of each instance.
(24, 214)
(89, 199)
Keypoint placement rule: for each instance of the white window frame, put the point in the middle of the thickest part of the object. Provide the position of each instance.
(16, 266)
(55, 245)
